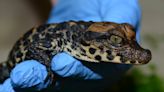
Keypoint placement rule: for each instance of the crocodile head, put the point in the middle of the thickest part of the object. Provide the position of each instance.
(111, 42)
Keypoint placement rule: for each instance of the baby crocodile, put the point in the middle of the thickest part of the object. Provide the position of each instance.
(87, 41)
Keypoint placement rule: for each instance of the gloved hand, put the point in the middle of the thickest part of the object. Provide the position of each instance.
(32, 74)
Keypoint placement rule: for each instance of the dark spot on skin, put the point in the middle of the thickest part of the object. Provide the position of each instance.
(89, 35)
(92, 50)
(84, 43)
(133, 62)
(98, 40)
(60, 35)
(140, 62)
(28, 54)
(109, 52)
(118, 54)
(17, 46)
(69, 50)
(48, 36)
(51, 30)
(68, 40)
(19, 54)
(44, 43)
(74, 37)
(42, 28)
(97, 57)
(48, 52)
(73, 47)
(68, 33)
(78, 55)
(18, 43)
(9, 65)
(82, 50)
(42, 34)
(35, 37)
(101, 48)
(89, 57)
(54, 46)
(83, 54)
(65, 41)
(26, 35)
(110, 57)
(75, 28)
(122, 59)
(59, 43)
(61, 26)
(11, 56)
(47, 44)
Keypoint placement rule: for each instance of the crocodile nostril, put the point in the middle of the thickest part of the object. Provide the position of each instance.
(147, 56)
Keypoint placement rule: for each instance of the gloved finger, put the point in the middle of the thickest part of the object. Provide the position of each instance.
(66, 66)
(6, 86)
(28, 74)
(77, 10)
(127, 11)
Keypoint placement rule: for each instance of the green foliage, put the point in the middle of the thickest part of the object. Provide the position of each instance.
(138, 81)
(147, 83)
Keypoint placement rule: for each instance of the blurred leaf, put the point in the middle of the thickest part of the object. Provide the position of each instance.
(138, 81)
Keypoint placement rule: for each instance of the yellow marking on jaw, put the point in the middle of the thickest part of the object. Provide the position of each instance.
(88, 53)
(116, 59)
(74, 53)
(98, 52)
(128, 62)
(91, 57)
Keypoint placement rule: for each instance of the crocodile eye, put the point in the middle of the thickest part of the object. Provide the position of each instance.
(115, 39)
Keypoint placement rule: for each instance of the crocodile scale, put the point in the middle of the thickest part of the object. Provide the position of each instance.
(87, 41)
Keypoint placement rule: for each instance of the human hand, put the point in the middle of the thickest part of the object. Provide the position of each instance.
(119, 11)
(30, 75)
(126, 11)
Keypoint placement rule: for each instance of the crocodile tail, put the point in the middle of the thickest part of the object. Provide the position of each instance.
(4, 71)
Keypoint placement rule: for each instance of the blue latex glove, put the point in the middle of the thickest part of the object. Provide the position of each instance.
(31, 73)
